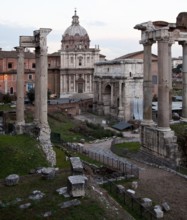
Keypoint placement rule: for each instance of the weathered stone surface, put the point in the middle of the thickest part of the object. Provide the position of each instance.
(48, 173)
(74, 202)
(76, 164)
(134, 184)
(146, 202)
(132, 192)
(76, 185)
(63, 191)
(165, 207)
(158, 211)
(25, 206)
(36, 195)
(47, 214)
(120, 189)
(12, 180)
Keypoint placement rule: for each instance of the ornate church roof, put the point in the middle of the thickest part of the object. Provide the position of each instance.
(75, 27)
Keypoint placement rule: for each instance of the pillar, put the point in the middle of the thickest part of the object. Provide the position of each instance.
(112, 95)
(37, 88)
(163, 85)
(20, 121)
(120, 113)
(184, 91)
(170, 78)
(147, 84)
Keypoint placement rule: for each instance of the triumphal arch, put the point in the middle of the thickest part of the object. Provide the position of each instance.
(159, 139)
(39, 42)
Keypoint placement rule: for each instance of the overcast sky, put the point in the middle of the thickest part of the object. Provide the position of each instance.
(109, 23)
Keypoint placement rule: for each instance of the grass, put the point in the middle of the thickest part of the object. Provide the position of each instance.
(6, 107)
(125, 148)
(89, 209)
(19, 154)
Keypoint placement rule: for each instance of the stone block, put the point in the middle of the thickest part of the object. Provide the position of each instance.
(132, 192)
(67, 204)
(120, 189)
(25, 206)
(165, 207)
(76, 185)
(76, 165)
(134, 184)
(48, 173)
(146, 202)
(12, 180)
(158, 211)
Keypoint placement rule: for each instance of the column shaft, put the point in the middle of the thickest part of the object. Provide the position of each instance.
(20, 88)
(147, 85)
(163, 86)
(184, 70)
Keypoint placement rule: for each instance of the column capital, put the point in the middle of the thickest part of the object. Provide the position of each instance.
(147, 42)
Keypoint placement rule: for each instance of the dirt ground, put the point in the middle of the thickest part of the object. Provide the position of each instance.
(163, 186)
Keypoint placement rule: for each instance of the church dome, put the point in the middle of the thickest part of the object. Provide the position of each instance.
(75, 35)
(75, 28)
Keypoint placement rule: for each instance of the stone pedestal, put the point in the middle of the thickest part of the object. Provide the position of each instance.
(76, 185)
(12, 180)
(160, 143)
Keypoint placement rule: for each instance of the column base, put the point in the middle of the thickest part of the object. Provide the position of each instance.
(19, 127)
(121, 113)
(163, 129)
(147, 122)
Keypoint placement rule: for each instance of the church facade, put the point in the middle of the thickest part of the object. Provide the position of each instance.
(77, 61)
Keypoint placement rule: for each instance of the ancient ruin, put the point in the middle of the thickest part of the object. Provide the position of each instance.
(159, 139)
(39, 42)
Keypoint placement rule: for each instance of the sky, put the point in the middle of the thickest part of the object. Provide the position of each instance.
(109, 23)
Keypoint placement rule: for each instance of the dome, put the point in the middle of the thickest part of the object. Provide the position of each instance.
(75, 28)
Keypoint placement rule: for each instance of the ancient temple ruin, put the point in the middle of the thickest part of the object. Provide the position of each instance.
(39, 42)
(159, 139)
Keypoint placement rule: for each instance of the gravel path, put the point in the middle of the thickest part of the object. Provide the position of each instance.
(154, 183)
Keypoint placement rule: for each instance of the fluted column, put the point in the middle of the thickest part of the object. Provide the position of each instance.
(20, 121)
(147, 84)
(184, 91)
(112, 95)
(37, 88)
(120, 113)
(164, 85)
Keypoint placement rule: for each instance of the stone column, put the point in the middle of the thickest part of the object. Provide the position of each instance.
(112, 95)
(37, 88)
(120, 113)
(20, 121)
(147, 84)
(170, 78)
(184, 91)
(163, 86)
(100, 102)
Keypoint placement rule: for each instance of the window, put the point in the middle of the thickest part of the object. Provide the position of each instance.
(154, 79)
(30, 76)
(29, 86)
(80, 61)
(33, 65)
(10, 65)
(130, 74)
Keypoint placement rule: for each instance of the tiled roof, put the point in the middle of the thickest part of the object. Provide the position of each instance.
(131, 55)
(13, 54)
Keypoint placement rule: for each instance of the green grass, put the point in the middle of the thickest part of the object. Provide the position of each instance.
(89, 209)
(123, 149)
(6, 107)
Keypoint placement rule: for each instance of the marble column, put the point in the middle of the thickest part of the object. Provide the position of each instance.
(120, 108)
(170, 78)
(20, 121)
(112, 95)
(164, 85)
(37, 88)
(184, 72)
(147, 84)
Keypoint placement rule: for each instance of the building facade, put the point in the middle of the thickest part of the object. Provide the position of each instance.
(8, 71)
(118, 88)
(77, 61)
